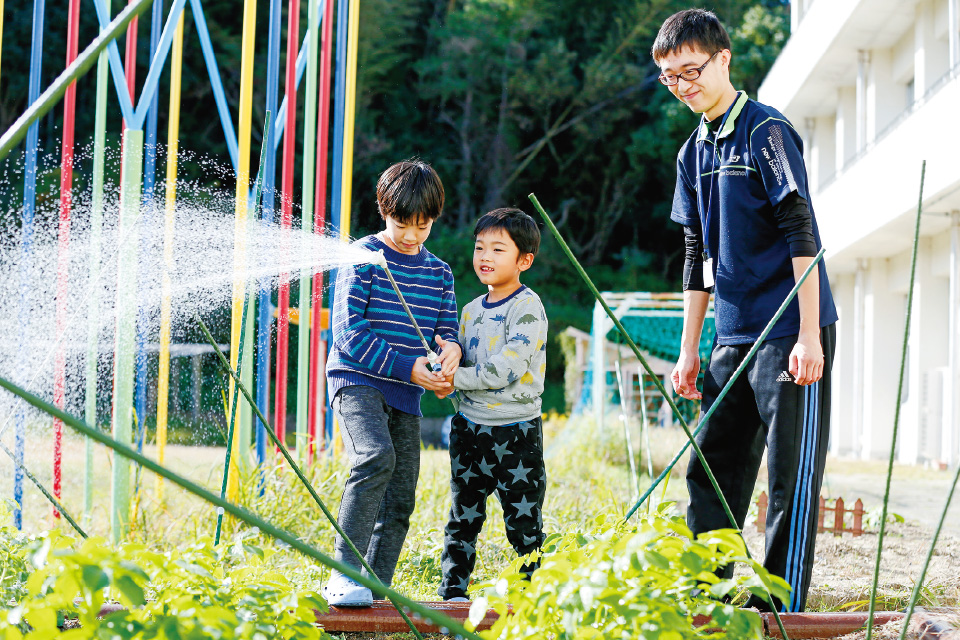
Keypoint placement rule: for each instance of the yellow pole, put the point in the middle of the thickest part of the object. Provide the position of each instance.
(173, 134)
(350, 107)
(240, 229)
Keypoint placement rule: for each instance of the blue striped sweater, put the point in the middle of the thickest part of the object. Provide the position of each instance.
(374, 343)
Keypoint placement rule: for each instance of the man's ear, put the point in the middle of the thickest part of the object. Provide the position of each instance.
(525, 261)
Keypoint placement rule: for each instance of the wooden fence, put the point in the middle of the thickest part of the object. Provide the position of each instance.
(835, 525)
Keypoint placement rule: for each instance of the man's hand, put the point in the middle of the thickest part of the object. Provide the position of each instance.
(449, 358)
(684, 375)
(427, 379)
(445, 393)
(806, 359)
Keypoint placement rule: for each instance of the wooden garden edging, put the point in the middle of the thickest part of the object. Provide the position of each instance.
(838, 508)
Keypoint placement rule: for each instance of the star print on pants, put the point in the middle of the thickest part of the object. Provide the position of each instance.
(470, 513)
(486, 468)
(455, 465)
(524, 507)
(520, 473)
(466, 475)
(501, 449)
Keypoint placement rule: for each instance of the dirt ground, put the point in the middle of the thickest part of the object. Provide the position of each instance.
(844, 566)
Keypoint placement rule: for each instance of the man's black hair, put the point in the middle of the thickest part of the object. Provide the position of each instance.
(696, 28)
(520, 227)
(409, 191)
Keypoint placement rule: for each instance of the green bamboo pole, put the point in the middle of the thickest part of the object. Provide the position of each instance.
(896, 414)
(736, 374)
(93, 288)
(49, 496)
(225, 364)
(646, 365)
(933, 545)
(306, 228)
(131, 164)
(129, 453)
(626, 423)
(51, 96)
(234, 403)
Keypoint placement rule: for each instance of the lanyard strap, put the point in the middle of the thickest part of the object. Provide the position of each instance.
(705, 219)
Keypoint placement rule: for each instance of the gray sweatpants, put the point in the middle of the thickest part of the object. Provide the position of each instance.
(383, 444)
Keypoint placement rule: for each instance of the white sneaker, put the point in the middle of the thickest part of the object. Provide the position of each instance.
(341, 591)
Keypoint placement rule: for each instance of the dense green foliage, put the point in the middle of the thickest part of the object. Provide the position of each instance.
(504, 97)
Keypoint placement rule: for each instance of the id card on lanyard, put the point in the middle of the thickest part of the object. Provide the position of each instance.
(705, 211)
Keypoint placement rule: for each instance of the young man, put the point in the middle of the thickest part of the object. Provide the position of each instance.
(377, 372)
(496, 439)
(749, 229)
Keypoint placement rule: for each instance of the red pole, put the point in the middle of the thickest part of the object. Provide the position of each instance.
(63, 239)
(318, 347)
(286, 215)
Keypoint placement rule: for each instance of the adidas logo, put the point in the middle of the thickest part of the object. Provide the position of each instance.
(734, 158)
(784, 377)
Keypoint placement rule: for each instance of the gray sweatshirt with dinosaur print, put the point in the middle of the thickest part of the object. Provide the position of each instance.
(504, 343)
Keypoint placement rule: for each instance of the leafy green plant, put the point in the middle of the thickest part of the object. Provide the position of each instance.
(226, 592)
(645, 581)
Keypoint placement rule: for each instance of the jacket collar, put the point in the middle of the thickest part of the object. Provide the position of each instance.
(703, 131)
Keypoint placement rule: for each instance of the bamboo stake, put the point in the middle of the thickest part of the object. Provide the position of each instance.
(896, 414)
(57, 505)
(281, 447)
(646, 365)
(434, 616)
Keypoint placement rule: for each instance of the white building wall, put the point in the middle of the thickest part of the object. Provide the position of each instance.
(873, 85)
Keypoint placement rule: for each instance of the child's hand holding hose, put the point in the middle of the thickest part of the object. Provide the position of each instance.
(423, 376)
(449, 358)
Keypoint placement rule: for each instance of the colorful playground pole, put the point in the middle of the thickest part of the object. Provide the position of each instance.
(26, 242)
(305, 443)
(318, 347)
(349, 119)
(63, 243)
(241, 228)
(169, 219)
(149, 180)
(269, 197)
(336, 182)
(286, 205)
(93, 288)
(131, 164)
(130, 63)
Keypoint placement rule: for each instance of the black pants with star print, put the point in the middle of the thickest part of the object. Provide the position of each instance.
(509, 460)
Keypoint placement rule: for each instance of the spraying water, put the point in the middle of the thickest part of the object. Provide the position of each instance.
(200, 281)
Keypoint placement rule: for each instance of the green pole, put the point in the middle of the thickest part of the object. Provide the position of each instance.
(306, 228)
(49, 496)
(51, 96)
(896, 413)
(131, 164)
(93, 288)
(293, 465)
(127, 452)
(646, 365)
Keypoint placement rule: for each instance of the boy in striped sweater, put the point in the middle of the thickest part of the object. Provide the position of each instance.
(377, 372)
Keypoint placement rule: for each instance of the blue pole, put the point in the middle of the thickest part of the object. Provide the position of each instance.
(149, 180)
(269, 183)
(339, 103)
(226, 120)
(26, 243)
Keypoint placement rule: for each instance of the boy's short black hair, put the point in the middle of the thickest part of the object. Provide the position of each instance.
(521, 228)
(697, 28)
(409, 190)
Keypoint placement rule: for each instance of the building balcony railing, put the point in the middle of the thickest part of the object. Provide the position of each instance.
(935, 88)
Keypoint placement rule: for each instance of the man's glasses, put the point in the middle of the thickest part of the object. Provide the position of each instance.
(689, 75)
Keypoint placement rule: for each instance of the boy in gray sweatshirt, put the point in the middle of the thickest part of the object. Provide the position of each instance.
(496, 439)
